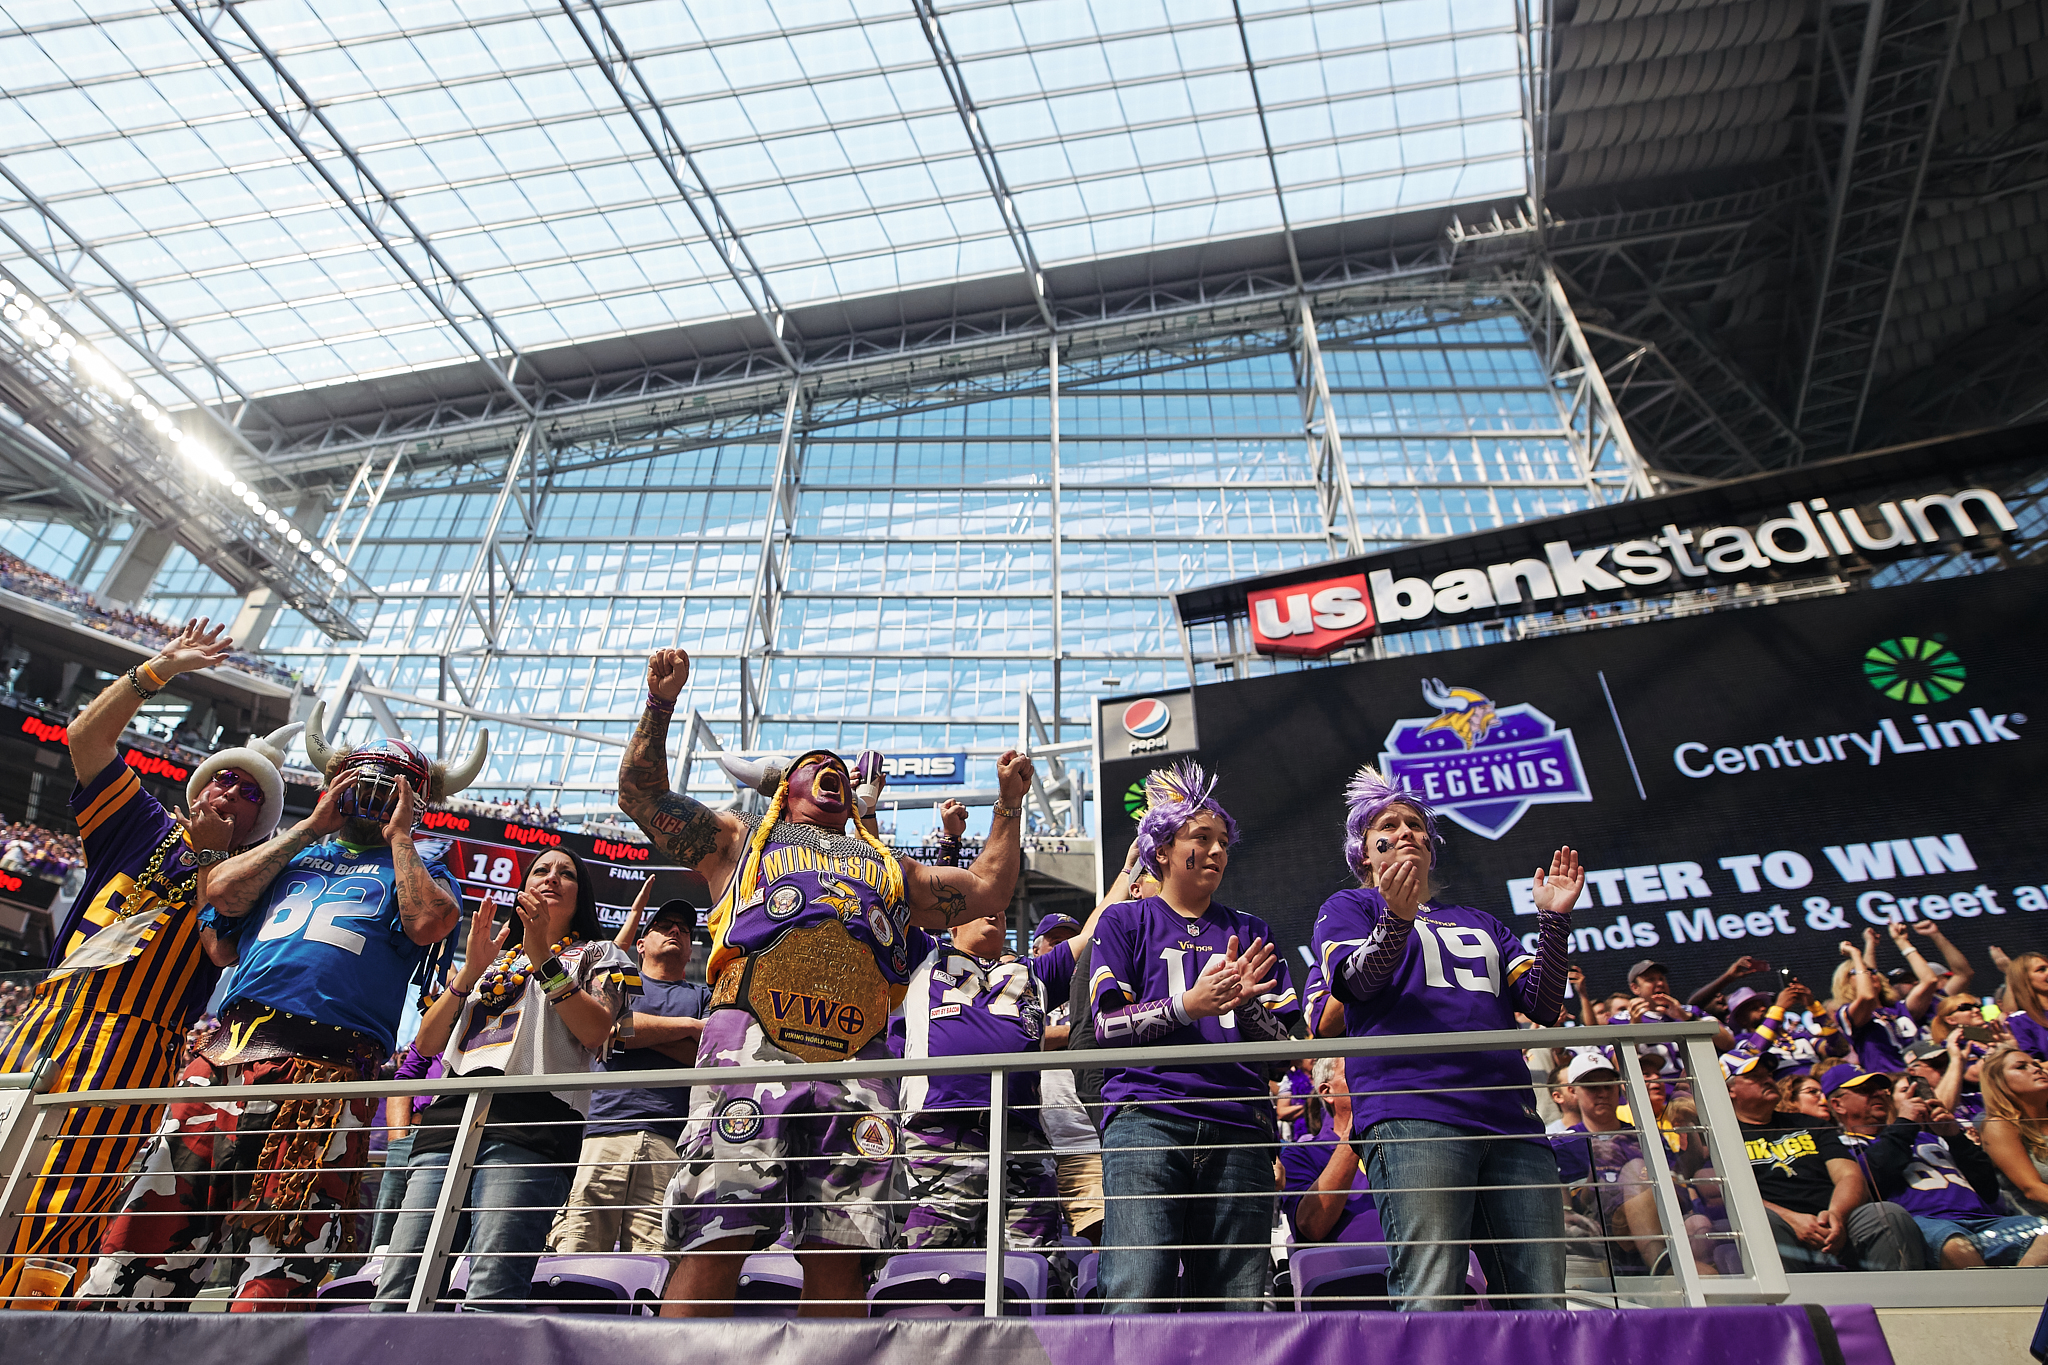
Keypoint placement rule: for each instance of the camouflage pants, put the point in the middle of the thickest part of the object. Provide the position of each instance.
(946, 1170)
(156, 1253)
(761, 1157)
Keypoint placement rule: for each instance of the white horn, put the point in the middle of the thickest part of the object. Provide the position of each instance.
(763, 774)
(317, 747)
(449, 781)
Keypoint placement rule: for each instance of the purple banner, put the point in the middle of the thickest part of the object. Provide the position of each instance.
(1758, 1335)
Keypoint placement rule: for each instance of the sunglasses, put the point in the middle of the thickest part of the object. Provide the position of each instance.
(1963, 1007)
(238, 785)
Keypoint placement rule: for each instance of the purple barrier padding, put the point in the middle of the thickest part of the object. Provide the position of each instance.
(1762, 1335)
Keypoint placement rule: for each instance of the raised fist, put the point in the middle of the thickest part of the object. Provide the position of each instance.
(667, 671)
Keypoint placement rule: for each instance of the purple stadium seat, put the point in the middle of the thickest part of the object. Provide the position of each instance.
(771, 1283)
(958, 1278)
(350, 1293)
(1086, 1266)
(1343, 1270)
(614, 1282)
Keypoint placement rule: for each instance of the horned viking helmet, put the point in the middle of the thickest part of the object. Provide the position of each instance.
(379, 764)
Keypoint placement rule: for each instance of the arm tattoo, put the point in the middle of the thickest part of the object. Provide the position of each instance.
(249, 875)
(421, 903)
(685, 829)
(951, 902)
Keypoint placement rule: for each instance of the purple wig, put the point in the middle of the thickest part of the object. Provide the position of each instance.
(1174, 796)
(1368, 794)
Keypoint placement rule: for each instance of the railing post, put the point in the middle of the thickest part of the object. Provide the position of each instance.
(998, 1180)
(25, 1132)
(1745, 1206)
(1656, 1160)
(426, 1284)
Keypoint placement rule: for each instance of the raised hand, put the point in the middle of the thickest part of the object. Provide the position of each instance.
(399, 824)
(1999, 958)
(1255, 974)
(327, 818)
(1013, 777)
(1215, 989)
(1897, 929)
(533, 917)
(207, 829)
(1403, 887)
(952, 818)
(1927, 928)
(667, 671)
(196, 647)
(482, 945)
(1558, 892)
(1745, 966)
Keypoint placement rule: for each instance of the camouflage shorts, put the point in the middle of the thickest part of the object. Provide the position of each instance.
(814, 1157)
(947, 1174)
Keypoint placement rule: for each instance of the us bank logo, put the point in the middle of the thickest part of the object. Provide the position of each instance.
(1482, 764)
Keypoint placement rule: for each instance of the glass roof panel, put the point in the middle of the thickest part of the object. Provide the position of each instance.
(824, 130)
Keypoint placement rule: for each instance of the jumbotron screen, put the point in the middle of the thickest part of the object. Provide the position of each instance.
(490, 858)
(1768, 781)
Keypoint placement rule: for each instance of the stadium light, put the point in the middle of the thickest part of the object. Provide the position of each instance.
(107, 394)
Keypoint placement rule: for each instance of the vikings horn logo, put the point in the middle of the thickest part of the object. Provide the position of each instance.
(1467, 714)
(841, 898)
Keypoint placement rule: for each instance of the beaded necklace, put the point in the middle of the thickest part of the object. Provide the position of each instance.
(151, 884)
(502, 982)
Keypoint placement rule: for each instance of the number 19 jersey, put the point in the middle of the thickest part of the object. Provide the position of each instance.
(1457, 974)
(325, 941)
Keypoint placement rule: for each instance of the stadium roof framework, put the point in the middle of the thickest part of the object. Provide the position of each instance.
(375, 254)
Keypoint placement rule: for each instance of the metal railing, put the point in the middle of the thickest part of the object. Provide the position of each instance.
(29, 1123)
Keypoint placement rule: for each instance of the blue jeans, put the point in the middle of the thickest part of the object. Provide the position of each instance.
(517, 1197)
(1999, 1239)
(391, 1190)
(1151, 1230)
(1444, 1187)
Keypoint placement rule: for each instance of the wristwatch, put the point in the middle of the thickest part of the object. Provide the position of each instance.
(207, 856)
(1008, 812)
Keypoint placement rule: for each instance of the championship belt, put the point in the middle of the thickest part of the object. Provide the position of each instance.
(815, 991)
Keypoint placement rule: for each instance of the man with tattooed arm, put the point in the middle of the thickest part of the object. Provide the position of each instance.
(330, 922)
(814, 933)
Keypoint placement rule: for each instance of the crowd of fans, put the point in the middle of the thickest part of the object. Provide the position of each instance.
(522, 812)
(31, 851)
(1891, 1121)
(19, 576)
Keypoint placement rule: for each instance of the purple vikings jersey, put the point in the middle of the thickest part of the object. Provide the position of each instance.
(1145, 951)
(1881, 1044)
(1301, 1165)
(1929, 1184)
(960, 1005)
(1460, 971)
(807, 877)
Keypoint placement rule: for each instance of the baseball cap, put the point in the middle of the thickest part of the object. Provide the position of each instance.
(1735, 1064)
(1927, 1050)
(1587, 1064)
(675, 908)
(1845, 1075)
(1741, 997)
(1646, 965)
(1053, 923)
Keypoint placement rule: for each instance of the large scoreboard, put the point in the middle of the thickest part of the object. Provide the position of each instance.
(490, 858)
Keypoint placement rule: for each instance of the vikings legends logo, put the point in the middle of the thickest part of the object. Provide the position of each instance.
(1480, 764)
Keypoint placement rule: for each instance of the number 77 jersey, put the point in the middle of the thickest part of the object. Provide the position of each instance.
(325, 942)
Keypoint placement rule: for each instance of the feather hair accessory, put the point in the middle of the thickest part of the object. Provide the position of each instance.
(1366, 797)
(1173, 796)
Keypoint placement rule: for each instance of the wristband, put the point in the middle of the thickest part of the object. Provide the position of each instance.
(136, 683)
(160, 683)
(1008, 812)
(655, 703)
(1775, 1012)
(1911, 951)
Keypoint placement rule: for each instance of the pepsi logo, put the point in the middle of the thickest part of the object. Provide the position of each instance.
(1147, 719)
